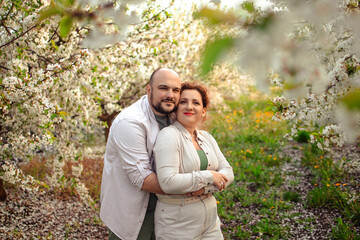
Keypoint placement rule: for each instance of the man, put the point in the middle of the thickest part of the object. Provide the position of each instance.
(129, 184)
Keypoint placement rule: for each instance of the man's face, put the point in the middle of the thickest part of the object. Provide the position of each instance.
(164, 92)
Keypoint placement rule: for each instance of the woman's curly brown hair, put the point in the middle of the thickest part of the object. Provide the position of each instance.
(200, 88)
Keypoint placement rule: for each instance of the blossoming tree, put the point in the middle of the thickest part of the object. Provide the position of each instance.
(308, 50)
(68, 67)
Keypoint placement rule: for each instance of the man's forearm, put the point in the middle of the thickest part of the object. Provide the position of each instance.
(151, 184)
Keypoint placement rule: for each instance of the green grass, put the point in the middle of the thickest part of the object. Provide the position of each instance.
(343, 230)
(332, 185)
(262, 195)
(252, 143)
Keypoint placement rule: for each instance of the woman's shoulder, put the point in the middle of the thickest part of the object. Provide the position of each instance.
(169, 130)
(168, 135)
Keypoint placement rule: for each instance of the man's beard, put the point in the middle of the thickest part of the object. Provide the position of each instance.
(158, 106)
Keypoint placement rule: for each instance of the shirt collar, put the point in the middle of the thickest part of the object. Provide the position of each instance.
(185, 132)
(149, 110)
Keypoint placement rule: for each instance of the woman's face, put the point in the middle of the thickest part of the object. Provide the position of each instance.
(190, 111)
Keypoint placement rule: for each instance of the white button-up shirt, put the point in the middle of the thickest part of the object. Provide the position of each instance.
(178, 163)
(126, 165)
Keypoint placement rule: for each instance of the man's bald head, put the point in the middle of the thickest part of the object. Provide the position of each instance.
(160, 72)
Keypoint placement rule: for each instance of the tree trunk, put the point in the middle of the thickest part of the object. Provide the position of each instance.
(108, 119)
(2, 191)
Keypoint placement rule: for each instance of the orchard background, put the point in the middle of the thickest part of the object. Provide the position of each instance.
(285, 90)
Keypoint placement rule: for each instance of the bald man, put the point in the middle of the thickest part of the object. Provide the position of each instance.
(129, 184)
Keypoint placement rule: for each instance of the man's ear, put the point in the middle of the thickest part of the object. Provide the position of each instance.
(148, 89)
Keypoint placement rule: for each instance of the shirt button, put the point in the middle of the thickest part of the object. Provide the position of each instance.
(138, 162)
(140, 221)
(209, 164)
(207, 153)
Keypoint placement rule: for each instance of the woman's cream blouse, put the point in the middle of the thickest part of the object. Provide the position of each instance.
(178, 163)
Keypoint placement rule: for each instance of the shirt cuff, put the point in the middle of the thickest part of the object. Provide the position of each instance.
(207, 178)
(211, 189)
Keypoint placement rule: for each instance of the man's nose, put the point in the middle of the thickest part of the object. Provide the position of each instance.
(170, 94)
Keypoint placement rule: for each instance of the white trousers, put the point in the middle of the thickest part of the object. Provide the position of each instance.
(194, 221)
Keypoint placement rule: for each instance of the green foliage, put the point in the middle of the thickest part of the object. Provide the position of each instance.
(302, 136)
(49, 12)
(213, 50)
(343, 230)
(352, 100)
(65, 25)
(331, 182)
(270, 228)
(215, 16)
(322, 197)
(292, 196)
(248, 6)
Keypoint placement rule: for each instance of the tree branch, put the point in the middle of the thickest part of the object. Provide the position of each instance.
(5, 68)
(7, 30)
(14, 39)
(172, 3)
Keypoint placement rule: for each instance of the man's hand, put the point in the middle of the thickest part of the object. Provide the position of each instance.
(151, 184)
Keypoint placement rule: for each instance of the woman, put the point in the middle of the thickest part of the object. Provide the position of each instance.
(189, 160)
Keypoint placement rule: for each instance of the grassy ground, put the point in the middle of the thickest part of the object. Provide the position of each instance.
(282, 190)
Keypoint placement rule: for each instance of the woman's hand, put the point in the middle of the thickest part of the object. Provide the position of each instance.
(219, 180)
